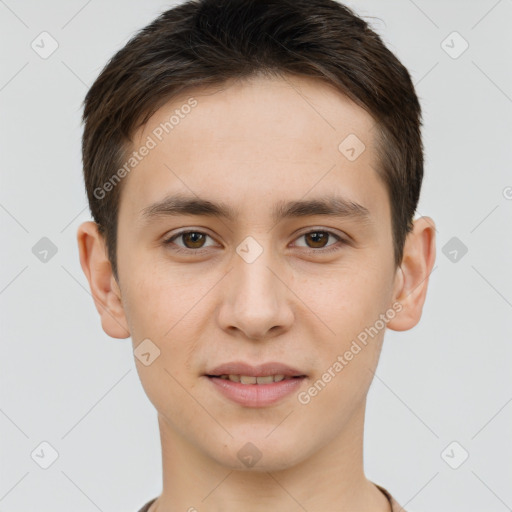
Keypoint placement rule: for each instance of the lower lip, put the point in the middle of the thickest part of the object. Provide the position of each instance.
(256, 395)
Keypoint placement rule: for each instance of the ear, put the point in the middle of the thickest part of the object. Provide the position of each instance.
(104, 288)
(411, 281)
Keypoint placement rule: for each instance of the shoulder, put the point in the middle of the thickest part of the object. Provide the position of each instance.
(395, 506)
(145, 508)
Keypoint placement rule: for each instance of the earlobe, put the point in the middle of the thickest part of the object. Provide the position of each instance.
(413, 274)
(104, 289)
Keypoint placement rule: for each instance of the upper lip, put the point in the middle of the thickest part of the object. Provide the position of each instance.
(262, 370)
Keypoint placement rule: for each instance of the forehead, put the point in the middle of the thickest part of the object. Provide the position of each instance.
(259, 110)
(256, 139)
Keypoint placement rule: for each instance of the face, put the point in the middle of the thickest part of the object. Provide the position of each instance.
(252, 284)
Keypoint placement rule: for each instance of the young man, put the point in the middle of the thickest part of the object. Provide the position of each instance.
(253, 168)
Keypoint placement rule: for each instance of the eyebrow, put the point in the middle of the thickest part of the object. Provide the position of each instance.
(334, 206)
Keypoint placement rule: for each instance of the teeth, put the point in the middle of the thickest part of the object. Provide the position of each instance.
(246, 379)
(265, 380)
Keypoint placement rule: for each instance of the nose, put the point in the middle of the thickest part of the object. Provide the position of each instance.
(257, 303)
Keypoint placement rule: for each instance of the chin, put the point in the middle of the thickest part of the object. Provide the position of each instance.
(261, 453)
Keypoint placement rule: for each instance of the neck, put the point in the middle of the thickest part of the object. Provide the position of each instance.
(194, 482)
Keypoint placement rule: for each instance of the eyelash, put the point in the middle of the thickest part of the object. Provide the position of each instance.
(332, 248)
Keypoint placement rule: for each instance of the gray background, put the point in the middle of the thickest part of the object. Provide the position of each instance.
(64, 381)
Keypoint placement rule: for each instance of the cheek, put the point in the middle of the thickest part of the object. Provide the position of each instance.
(162, 310)
(168, 307)
(348, 300)
(163, 300)
(351, 306)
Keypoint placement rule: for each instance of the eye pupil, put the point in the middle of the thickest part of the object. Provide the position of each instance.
(195, 236)
(318, 236)
(314, 240)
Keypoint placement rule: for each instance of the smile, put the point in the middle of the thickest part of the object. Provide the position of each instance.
(249, 379)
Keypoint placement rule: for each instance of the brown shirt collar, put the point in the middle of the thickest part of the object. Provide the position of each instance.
(395, 507)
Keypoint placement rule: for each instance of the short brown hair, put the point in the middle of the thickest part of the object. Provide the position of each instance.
(207, 42)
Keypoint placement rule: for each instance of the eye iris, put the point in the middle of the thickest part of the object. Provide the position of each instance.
(318, 236)
(197, 238)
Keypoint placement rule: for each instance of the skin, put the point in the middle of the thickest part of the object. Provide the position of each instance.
(251, 144)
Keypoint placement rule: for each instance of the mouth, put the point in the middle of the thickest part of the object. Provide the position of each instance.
(255, 386)
(259, 379)
(247, 371)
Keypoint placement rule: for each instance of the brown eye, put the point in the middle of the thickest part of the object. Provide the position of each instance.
(191, 240)
(317, 241)
(194, 238)
(317, 238)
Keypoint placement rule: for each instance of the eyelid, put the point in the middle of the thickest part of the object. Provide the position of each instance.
(329, 249)
(169, 239)
(344, 240)
(342, 237)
